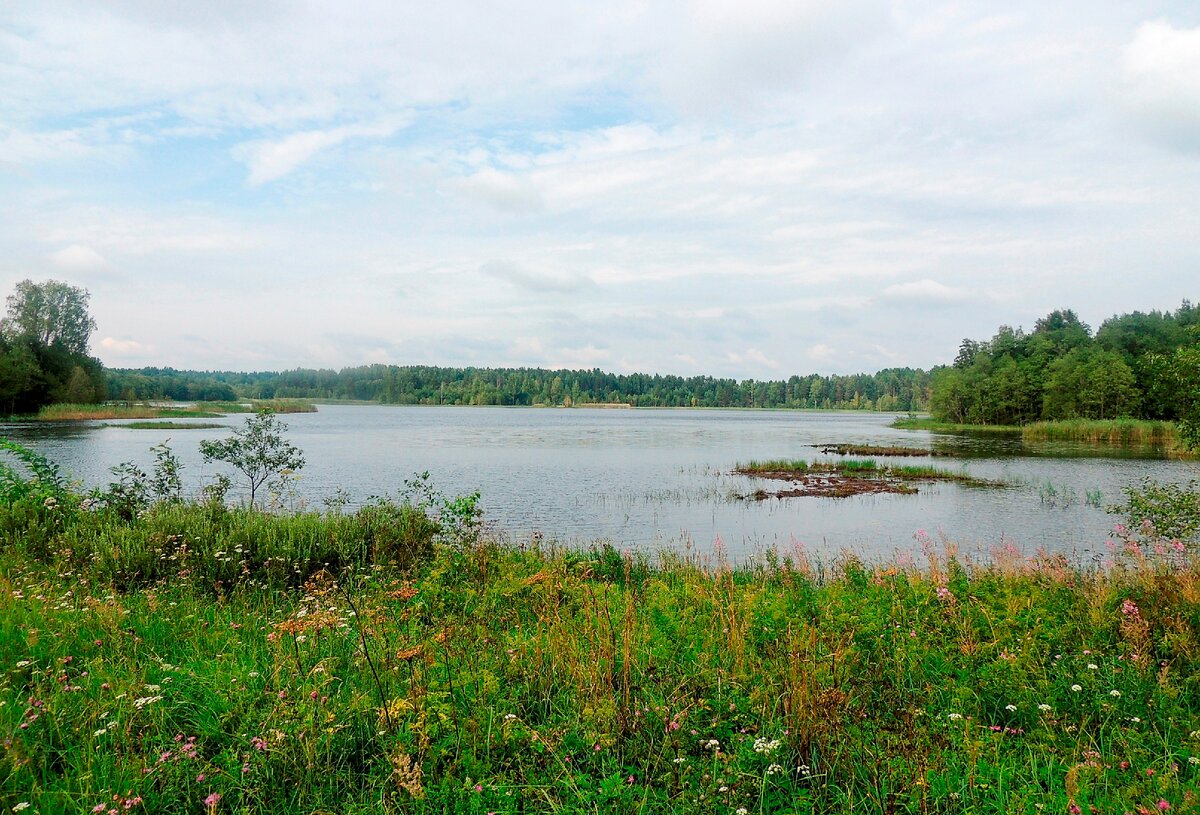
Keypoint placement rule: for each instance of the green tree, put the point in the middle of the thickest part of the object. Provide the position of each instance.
(49, 314)
(259, 450)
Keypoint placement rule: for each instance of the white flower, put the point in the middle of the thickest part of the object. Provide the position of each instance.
(774, 769)
(1194, 760)
(680, 760)
(741, 811)
(765, 747)
(1114, 693)
(1092, 666)
(100, 732)
(1135, 720)
(1043, 707)
(25, 663)
(954, 717)
(146, 700)
(25, 804)
(153, 688)
(1010, 707)
(1077, 688)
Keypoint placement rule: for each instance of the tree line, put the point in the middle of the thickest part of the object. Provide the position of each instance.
(1136, 365)
(898, 389)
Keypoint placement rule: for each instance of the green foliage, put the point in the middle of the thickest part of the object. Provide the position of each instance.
(889, 389)
(38, 478)
(50, 314)
(258, 450)
(1165, 510)
(1060, 372)
(43, 348)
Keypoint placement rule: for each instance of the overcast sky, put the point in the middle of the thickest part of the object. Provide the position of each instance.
(748, 189)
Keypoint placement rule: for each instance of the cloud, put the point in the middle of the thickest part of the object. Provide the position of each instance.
(925, 291)
(1161, 91)
(78, 259)
(123, 348)
(270, 160)
(538, 281)
(506, 192)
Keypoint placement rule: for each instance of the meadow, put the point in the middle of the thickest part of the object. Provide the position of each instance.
(189, 656)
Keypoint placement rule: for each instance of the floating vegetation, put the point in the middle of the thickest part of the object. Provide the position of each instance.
(167, 425)
(880, 450)
(841, 479)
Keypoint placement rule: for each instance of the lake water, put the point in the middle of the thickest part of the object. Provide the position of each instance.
(653, 479)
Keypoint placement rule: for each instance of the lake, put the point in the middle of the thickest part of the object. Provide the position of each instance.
(654, 479)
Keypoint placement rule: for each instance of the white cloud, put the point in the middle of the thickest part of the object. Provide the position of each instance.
(78, 259)
(925, 291)
(270, 160)
(539, 280)
(124, 348)
(1161, 92)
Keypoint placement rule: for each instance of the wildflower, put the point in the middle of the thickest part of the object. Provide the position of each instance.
(1010, 708)
(741, 811)
(1194, 760)
(98, 808)
(1092, 666)
(1076, 688)
(146, 700)
(954, 717)
(774, 769)
(1043, 707)
(1114, 693)
(25, 804)
(212, 800)
(1163, 805)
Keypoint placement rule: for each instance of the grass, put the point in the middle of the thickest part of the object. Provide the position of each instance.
(1096, 431)
(1107, 431)
(168, 425)
(199, 654)
(936, 426)
(198, 410)
(880, 450)
(857, 468)
(775, 465)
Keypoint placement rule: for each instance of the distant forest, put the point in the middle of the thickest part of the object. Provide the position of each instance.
(893, 389)
(1137, 365)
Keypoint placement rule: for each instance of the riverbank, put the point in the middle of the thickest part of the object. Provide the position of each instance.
(167, 410)
(198, 658)
(1120, 432)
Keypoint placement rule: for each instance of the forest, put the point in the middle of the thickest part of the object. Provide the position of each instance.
(901, 389)
(1137, 365)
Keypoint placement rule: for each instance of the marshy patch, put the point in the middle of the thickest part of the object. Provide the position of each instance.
(881, 450)
(842, 479)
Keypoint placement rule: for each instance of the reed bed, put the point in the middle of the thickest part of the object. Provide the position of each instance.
(1103, 431)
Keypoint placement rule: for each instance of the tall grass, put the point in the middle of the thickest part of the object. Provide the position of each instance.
(1107, 431)
(196, 658)
(483, 678)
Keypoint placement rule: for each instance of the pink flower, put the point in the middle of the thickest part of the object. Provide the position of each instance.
(1163, 805)
(1074, 809)
(479, 787)
(212, 800)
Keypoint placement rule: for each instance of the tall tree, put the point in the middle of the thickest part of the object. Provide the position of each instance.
(50, 314)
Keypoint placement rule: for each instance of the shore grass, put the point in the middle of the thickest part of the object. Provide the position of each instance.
(1096, 431)
(71, 413)
(936, 426)
(880, 450)
(167, 425)
(1108, 431)
(197, 410)
(201, 659)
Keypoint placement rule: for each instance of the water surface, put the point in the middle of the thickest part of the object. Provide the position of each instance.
(648, 479)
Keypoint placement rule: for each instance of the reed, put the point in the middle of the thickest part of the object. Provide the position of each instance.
(1103, 431)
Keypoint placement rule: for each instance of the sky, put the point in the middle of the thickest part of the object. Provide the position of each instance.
(747, 189)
